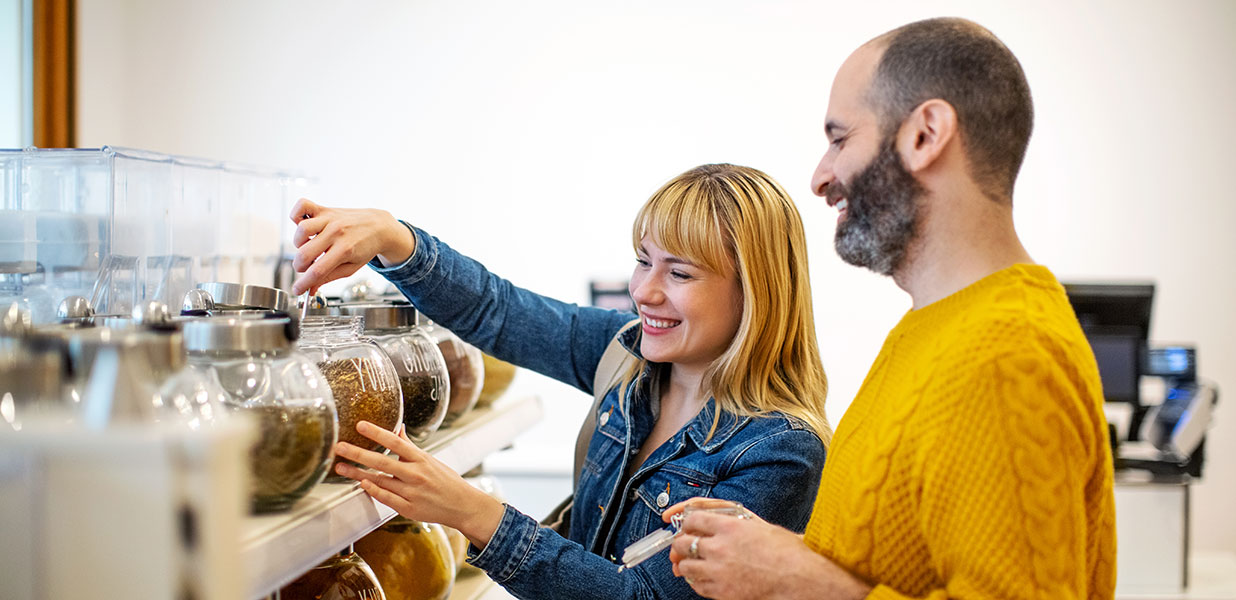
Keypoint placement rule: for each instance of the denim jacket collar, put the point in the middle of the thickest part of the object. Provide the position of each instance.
(727, 425)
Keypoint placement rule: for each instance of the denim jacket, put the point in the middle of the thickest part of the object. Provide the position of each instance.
(770, 464)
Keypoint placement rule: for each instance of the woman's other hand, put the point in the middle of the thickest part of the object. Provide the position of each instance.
(336, 242)
(419, 486)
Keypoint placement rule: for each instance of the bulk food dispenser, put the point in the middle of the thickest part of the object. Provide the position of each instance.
(119, 226)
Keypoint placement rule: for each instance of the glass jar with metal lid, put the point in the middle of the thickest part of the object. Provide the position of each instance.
(423, 377)
(361, 377)
(263, 375)
(132, 368)
(32, 369)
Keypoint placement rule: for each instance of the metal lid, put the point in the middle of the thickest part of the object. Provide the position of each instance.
(239, 295)
(381, 315)
(243, 334)
(162, 351)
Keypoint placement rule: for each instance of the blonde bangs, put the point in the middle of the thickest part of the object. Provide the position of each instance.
(733, 219)
(682, 218)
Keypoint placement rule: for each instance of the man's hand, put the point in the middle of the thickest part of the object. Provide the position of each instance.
(749, 558)
(336, 242)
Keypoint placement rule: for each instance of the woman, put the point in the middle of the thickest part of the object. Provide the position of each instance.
(725, 399)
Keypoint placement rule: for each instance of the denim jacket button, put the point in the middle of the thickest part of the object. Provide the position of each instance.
(662, 499)
(603, 419)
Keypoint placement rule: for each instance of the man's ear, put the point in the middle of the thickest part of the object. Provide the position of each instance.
(925, 134)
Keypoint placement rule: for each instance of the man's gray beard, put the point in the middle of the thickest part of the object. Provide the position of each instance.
(881, 213)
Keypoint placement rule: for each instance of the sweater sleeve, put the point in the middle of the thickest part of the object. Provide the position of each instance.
(1003, 510)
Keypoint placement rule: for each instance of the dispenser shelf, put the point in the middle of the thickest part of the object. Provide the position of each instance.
(278, 548)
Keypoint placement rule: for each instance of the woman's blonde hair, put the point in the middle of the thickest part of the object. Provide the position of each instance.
(728, 218)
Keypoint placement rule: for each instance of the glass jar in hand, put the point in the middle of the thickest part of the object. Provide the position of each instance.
(361, 377)
(263, 375)
(423, 377)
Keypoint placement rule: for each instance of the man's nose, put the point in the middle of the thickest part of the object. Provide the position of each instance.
(823, 176)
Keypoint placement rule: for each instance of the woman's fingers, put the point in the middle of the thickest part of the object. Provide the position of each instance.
(304, 207)
(306, 229)
(400, 445)
(380, 493)
(369, 458)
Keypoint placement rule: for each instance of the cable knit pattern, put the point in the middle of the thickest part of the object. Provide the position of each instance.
(974, 462)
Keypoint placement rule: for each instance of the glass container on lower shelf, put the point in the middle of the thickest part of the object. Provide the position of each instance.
(361, 377)
(466, 366)
(413, 560)
(263, 375)
(345, 576)
(423, 376)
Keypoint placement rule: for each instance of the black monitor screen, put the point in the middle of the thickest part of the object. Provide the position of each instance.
(1116, 320)
(1117, 357)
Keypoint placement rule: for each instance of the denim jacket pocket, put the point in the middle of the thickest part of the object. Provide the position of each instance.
(665, 487)
(608, 442)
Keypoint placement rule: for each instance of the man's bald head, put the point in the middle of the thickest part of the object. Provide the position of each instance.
(964, 64)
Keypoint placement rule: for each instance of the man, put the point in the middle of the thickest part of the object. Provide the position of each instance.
(974, 461)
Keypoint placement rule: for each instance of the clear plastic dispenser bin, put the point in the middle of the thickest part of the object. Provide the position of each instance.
(120, 226)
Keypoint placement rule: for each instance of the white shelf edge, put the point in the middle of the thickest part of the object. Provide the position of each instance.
(276, 549)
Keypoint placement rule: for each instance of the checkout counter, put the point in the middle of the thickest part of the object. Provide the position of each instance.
(1158, 411)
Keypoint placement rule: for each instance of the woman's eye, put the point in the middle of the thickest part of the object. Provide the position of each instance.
(679, 275)
(641, 262)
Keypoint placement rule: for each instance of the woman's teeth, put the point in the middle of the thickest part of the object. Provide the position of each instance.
(661, 324)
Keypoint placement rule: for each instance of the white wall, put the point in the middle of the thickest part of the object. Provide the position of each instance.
(527, 134)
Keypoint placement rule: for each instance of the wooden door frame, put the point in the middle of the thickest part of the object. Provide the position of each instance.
(55, 73)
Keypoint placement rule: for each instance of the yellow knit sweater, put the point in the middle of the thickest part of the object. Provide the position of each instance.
(974, 462)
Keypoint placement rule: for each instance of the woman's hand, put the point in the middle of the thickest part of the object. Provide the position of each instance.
(419, 486)
(337, 242)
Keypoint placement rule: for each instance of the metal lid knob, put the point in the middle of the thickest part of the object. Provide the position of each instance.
(74, 307)
(197, 302)
(152, 314)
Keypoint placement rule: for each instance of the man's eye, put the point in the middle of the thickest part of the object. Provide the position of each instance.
(837, 142)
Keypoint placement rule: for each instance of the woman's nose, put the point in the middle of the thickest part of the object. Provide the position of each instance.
(645, 291)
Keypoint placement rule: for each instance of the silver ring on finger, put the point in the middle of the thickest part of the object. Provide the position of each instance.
(694, 549)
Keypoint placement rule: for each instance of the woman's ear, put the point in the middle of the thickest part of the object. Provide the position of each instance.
(926, 133)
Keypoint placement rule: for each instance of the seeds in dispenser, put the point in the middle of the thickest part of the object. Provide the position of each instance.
(295, 444)
(363, 392)
(422, 403)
